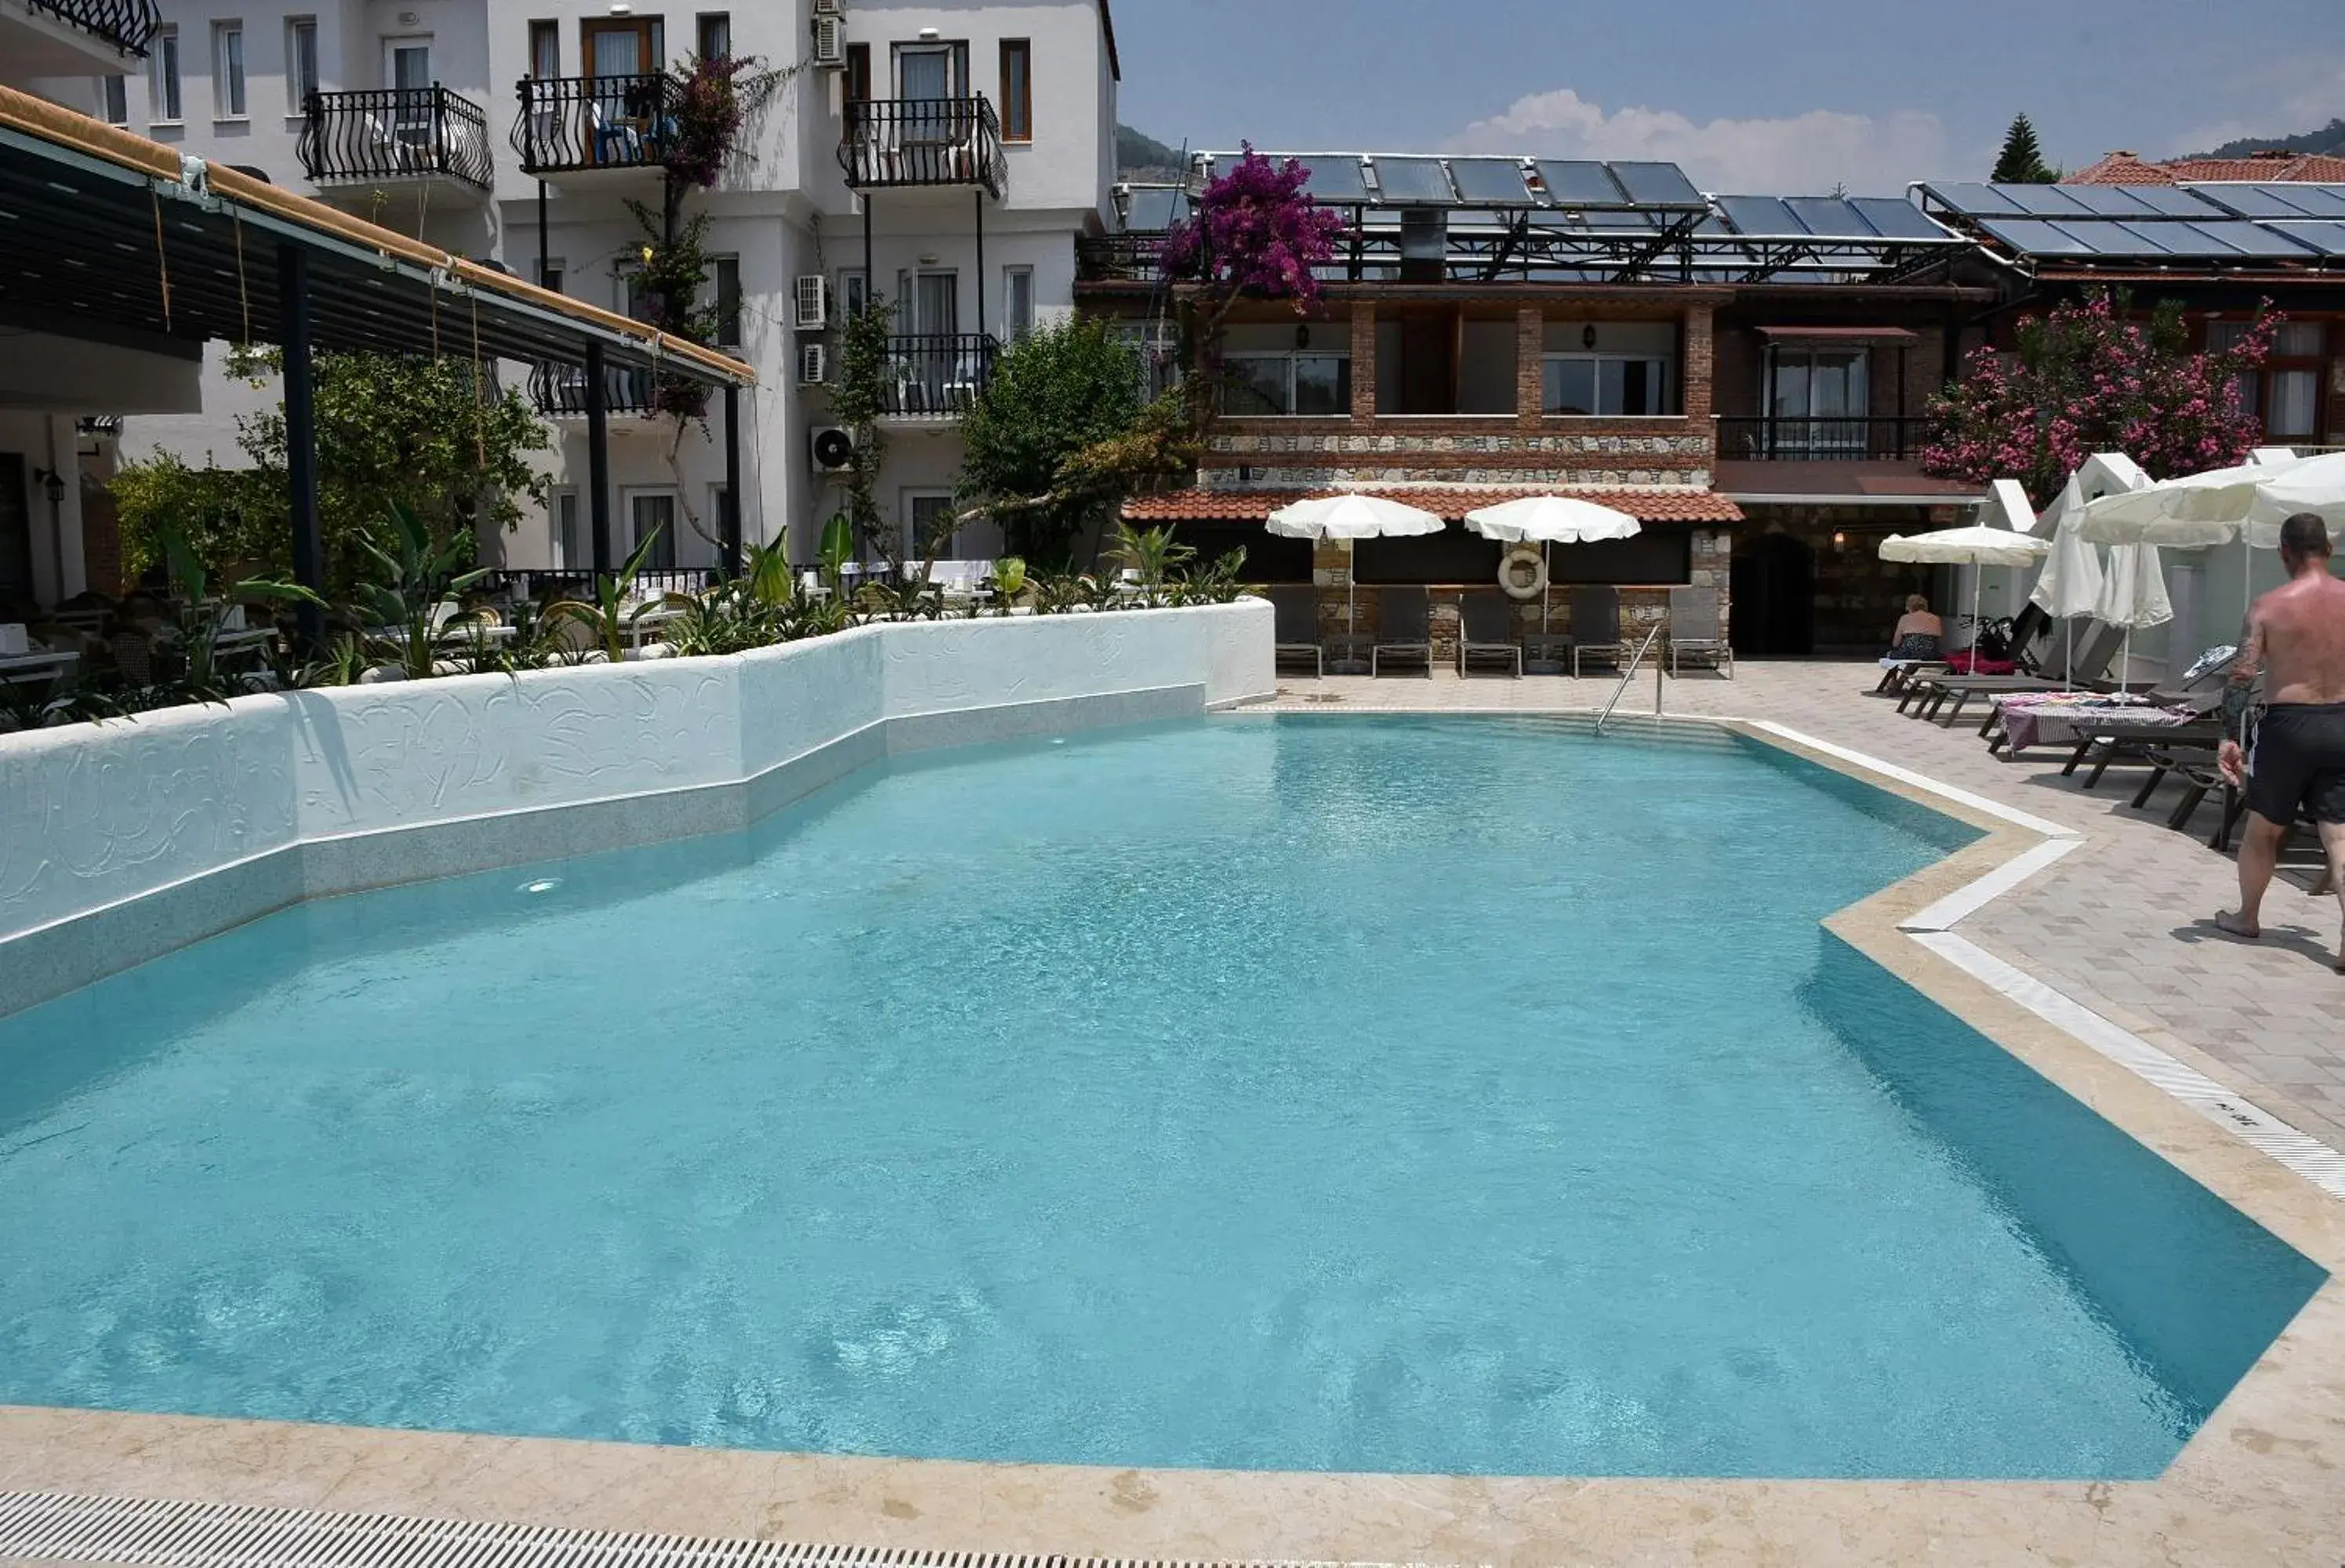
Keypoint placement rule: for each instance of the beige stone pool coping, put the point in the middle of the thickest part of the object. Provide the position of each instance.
(2263, 1482)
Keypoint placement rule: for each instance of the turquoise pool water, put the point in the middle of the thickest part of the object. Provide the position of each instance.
(1344, 1094)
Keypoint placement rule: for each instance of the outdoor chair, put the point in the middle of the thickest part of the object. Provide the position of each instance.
(1596, 627)
(1296, 630)
(1696, 631)
(1486, 633)
(1404, 630)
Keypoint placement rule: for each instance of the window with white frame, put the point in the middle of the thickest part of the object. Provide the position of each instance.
(300, 61)
(1156, 345)
(569, 552)
(653, 513)
(1313, 382)
(115, 94)
(1018, 301)
(927, 514)
(163, 75)
(853, 291)
(228, 70)
(1603, 383)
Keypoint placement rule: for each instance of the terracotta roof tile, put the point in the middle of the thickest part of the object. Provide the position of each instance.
(2124, 168)
(1677, 505)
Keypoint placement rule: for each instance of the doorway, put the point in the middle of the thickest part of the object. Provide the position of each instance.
(407, 72)
(1774, 590)
(15, 536)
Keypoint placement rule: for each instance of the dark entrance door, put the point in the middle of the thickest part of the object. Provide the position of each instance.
(1774, 597)
(15, 536)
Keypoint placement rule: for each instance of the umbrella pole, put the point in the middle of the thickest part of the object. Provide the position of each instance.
(1351, 590)
(1978, 575)
(1546, 589)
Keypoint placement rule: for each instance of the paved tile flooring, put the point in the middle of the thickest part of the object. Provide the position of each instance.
(2122, 925)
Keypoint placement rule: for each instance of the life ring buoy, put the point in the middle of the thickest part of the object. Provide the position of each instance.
(1523, 573)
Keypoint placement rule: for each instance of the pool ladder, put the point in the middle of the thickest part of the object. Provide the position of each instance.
(1629, 673)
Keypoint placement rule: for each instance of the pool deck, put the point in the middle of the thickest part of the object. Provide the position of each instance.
(2109, 917)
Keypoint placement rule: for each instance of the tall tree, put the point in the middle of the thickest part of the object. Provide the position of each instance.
(2021, 162)
(1053, 394)
(2091, 377)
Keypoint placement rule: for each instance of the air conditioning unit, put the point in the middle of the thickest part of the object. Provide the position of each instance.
(834, 449)
(829, 37)
(813, 303)
(814, 364)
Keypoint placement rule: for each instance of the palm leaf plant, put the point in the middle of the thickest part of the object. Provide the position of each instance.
(203, 618)
(1153, 554)
(402, 600)
(609, 619)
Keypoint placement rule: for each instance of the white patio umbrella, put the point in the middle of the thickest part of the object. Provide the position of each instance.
(2070, 582)
(1545, 520)
(1974, 547)
(2246, 502)
(1351, 516)
(2133, 595)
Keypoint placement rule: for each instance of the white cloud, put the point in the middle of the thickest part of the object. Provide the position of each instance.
(1804, 155)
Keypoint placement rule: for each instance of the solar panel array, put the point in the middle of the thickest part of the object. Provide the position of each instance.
(1404, 180)
(2215, 223)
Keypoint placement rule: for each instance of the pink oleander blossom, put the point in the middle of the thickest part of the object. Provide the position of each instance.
(2089, 377)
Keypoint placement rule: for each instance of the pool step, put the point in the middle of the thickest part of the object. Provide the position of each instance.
(60, 1528)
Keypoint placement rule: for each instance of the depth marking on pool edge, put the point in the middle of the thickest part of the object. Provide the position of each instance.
(63, 1527)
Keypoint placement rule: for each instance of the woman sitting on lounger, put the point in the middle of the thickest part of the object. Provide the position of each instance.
(1920, 634)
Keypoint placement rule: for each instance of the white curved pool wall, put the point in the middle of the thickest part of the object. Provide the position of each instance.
(119, 842)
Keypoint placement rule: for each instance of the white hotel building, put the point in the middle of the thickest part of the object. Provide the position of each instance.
(949, 153)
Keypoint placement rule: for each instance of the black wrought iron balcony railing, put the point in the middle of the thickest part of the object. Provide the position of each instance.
(559, 392)
(573, 123)
(923, 141)
(936, 373)
(129, 24)
(1119, 258)
(1830, 439)
(394, 134)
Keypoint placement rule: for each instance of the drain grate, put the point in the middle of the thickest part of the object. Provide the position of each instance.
(68, 1529)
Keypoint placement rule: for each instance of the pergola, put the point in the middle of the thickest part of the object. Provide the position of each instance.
(108, 235)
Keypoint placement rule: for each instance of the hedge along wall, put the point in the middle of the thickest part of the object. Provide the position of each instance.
(121, 841)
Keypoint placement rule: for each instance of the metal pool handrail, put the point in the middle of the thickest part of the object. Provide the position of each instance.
(1629, 673)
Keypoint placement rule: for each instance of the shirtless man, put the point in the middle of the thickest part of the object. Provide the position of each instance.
(2296, 634)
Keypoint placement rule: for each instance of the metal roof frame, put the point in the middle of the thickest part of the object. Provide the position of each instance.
(106, 234)
(2197, 229)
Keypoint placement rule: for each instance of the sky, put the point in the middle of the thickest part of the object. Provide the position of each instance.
(1747, 97)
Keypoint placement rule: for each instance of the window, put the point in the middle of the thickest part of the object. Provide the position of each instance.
(1156, 346)
(2285, 393)
(927, 514)
(858, 73)
(545, 49)
(853, 293)
(649, 513)
(568, 551)
(115, 93)
(728, 301)
(300, 62)
(228, 70)
(714, 36)
(1017, 90)
(163, 76)
(1319, 384)
(1018, 301)
(928, 72)
(1603, 384)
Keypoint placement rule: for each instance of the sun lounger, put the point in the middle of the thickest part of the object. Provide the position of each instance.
(1596, 627)
(1295, 631)
(2092, 660)
(1697, 632)
(1486, 633)
(1404, 631)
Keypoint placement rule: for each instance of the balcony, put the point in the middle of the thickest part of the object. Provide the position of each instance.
(395, 135)
(935, 376)
(126, 26)
(1758, 439)
(904, 143)
(559, 392)
(570, 125)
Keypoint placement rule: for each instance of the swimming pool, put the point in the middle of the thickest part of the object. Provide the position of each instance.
(1459, 1096)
